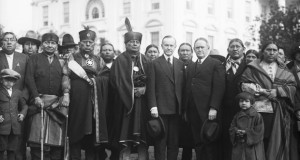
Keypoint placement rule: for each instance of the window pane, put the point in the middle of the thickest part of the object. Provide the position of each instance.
(155, 6)
(189, 37)
(126, 7)
(230, 9)
(66, 12)
(95, 13)
(45, 15)
(211, 7)
(189, 4)
(155, 38)
(248, 11)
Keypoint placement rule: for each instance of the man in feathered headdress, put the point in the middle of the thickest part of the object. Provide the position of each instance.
(128, 79)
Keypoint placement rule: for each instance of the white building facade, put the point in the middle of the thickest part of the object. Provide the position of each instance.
(217, 20)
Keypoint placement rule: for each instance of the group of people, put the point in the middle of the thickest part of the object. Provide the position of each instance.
(65, 100)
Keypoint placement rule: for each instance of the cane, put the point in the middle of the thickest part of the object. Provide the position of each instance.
(66, 150)
(42, 133)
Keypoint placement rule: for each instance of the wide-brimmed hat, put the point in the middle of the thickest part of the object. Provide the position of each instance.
(30, 36)
(156, 128)
(209, 131)
(9, 73)
(67, 41)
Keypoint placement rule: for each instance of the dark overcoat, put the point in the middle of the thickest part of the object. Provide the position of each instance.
(9, 109)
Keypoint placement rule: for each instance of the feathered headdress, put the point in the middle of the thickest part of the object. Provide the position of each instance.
(130, 35)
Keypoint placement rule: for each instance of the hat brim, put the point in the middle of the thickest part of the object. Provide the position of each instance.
(22, 40)
(215, 134)
(10, 77)
(162, 133)
(60, 47)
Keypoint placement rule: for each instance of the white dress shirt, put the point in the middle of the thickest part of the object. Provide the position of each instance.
(171, 58)
(10, 59)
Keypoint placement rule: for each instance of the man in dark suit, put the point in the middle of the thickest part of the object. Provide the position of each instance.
(204, 92)
(164, 97)
(11, 59)
(16, 61)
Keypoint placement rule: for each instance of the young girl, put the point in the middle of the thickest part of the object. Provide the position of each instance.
(10, 117)
(247, 131)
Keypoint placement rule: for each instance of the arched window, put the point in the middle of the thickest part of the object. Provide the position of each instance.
(95, 13)
(95, 9)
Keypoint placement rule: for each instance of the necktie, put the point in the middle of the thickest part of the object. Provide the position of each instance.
(199, 61)
(169, 62)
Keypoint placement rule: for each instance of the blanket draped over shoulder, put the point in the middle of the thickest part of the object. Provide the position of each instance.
(285, 85)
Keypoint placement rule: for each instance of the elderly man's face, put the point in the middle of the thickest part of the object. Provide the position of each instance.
(235, 50)
(9, 43)
(133, 45)
(185, 53)
(87, 46)
(30, 48)
(201, 49)
(49, 47)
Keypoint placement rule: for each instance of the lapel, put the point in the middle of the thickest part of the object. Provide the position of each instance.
(241, 68)
(165, 67)
(4, 61)
(4, 91)
(176, 69)
(16, 63)
(204, 64)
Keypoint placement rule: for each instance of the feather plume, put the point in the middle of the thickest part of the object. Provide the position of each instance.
(86, 27)
(128, 25)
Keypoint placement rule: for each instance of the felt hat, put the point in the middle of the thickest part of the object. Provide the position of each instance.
(67, 41)
(87, 34)
(9, 73)
(130, 35)
(50, 37)
(209, 131)
(30, 36)
(156, 128)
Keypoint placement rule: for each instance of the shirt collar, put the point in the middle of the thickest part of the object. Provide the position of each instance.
(238, 61)
(108, 65)
(203, 59)
(10, 55)
(171, 58)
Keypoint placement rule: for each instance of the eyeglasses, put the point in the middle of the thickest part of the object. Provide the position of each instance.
(9, 39)
(49, 43)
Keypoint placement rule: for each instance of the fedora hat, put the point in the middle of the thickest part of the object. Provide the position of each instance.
(9, 73)
(68, 41)
(209, 131)
(156, 128)
(30, 36)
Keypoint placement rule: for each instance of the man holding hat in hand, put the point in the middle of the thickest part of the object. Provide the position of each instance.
(45, 83)
(30, 43)
(204, 90)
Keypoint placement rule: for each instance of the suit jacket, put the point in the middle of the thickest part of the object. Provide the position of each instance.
(205, 86)
(164, 90)
(20, 61)
(9, 109)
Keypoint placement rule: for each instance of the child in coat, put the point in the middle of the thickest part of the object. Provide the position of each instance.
(247, 131)
(11, 100)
